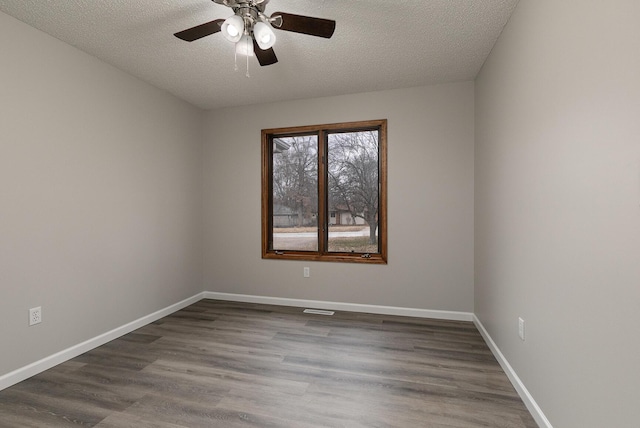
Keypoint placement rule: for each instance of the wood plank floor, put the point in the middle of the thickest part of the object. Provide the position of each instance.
(227, 364)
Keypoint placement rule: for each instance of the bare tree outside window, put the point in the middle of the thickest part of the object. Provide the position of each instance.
(353, 188)
(295, 193)
(324, 192)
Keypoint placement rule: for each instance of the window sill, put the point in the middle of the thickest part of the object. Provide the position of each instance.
(333, 257)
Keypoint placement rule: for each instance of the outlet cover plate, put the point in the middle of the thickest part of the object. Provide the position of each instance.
(35, 315)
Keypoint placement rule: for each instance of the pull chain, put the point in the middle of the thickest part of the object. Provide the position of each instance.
(235, 60)
(247, 59)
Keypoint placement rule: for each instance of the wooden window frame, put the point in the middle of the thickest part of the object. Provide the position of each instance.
(323, 215)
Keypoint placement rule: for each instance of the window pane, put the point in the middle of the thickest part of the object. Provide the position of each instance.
(295, 193)
(353, 192)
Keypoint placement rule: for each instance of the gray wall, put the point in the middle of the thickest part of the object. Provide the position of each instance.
(430, 201)
(100, 196)
(558, 206)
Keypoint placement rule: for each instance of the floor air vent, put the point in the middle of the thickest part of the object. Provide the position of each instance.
(318, 312)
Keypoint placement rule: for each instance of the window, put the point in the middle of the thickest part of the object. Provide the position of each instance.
(324, 192)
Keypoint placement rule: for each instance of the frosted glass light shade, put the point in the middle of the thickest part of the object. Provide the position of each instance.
(233, 28)
(245, 46)
(264, 35)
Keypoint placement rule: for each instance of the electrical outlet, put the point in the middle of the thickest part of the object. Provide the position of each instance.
(521, 328)
(35, 315)
(305, 272)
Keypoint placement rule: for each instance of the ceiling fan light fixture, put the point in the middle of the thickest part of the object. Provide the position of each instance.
(264, 35)
(245, 46)
(252, 31)
(233, 28)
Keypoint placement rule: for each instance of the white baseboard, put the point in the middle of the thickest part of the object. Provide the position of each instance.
(338, 306)
(522, 391)
(33, 369)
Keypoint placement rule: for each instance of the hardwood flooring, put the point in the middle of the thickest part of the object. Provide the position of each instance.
(227, 364)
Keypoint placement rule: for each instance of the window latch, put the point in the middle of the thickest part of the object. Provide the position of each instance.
(366, 256)
(279, 253)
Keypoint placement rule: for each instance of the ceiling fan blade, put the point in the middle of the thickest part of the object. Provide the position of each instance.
(265, 57)
(306, 24)
(200, 31)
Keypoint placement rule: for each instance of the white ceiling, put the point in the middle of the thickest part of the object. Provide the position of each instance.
(377, 45)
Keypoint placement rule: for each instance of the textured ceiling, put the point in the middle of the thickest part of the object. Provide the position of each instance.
(377, 45)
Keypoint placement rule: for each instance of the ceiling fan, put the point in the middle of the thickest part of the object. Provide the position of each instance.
(252, 31)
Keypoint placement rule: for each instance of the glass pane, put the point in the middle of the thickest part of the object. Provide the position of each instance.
(295, 193)
(353, 192)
